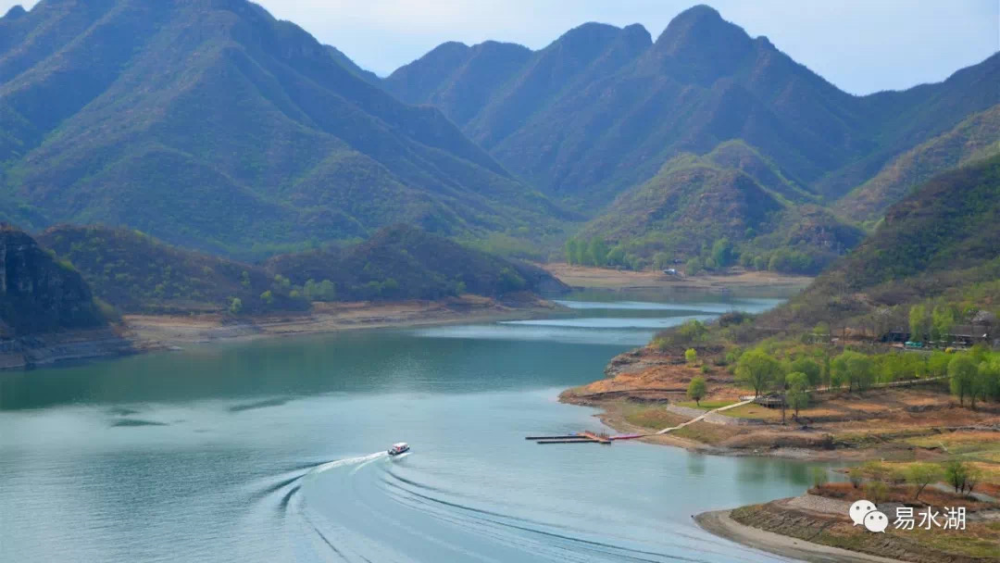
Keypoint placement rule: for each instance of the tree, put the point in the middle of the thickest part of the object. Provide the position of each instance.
(922, 474)
(267, 297)
(691, 355)
(853, 368)
(957, 475)
(236, 306)
(757, 370)
(798, 395)
(943, 323)
(572, 255)
(963, 373)
(697, 389)
(918, 323)
(722, 252)
(810, 368)
(694, 267)
(598, 251)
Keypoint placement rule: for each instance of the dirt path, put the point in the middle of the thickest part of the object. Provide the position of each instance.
(719, 523)
(702, 417)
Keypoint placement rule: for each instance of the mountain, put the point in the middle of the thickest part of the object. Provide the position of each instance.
(941, 245)
(974, 138)
(210, 124)
(602, 109)
(39, 294)
(402, 262)
(140, 274)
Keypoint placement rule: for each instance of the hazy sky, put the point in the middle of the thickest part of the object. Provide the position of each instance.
(861, 46)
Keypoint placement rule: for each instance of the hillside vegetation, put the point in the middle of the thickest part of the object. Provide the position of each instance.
(214, 126)
(975, 138)
(402, 262)
(140, 274)
(940, 245)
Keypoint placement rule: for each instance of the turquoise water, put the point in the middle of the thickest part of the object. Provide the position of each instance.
(273, 451)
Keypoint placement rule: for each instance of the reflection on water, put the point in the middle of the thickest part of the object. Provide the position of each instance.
(273, 451)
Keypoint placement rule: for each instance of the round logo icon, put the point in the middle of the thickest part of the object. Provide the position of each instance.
(859, 510)
(876, 521)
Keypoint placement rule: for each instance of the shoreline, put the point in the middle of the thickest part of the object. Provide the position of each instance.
(719, 523)
(140, 334)
(589, 277)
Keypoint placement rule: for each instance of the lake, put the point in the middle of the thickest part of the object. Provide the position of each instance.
(275, 451)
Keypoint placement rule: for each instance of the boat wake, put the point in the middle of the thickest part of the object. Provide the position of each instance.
(372, 508)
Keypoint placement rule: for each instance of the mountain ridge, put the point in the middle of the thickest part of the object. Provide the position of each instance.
(287, 145)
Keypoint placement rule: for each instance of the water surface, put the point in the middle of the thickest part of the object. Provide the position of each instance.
(273, 451)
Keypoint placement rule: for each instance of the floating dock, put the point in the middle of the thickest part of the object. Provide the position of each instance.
(581, 438)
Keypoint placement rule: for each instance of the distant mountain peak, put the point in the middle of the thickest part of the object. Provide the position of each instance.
(584, 36)
(698, 45)
(15, 12)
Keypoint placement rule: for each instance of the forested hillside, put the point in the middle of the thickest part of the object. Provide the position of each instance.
(939, 248)
(212, 125)
(137, 273)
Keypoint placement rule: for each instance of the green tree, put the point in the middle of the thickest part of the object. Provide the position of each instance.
(943, 323)
(598, 251)
(810, 368)
(957, 474)
(922, 474)
(757, 370)
(691, 355)
(722, 252)
(853, 368)
(616, 256)
(236, 306)
(963, 372)
(572, 253)
(267, 297)
(918, 323)
(798, 394)
(697, 389)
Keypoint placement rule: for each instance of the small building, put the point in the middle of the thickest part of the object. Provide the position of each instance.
(670, 271)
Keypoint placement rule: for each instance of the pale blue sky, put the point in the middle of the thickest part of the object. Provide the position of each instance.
(861, 46)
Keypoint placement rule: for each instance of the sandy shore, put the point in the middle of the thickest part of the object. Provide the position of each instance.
(720, 524)
(604, 278)
(166, 331)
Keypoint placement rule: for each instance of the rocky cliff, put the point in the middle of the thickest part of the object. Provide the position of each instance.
(39, 294)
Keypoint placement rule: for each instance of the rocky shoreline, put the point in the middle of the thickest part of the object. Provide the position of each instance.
(74, 345)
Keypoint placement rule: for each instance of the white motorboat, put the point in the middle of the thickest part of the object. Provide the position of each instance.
(399, 448)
